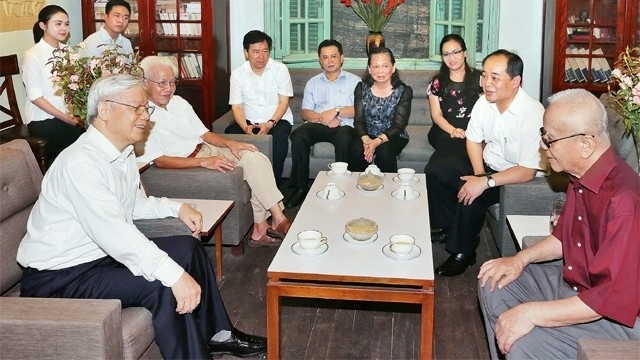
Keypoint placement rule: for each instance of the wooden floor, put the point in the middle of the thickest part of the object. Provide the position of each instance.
(322, 329)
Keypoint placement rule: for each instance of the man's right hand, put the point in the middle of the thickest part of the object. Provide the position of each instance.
(501, 271)
(217, 163)
(187, 293)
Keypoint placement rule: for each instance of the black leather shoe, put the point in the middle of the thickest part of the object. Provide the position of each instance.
(456, 264)
(240, 345)
(296, 198)
(439, 237)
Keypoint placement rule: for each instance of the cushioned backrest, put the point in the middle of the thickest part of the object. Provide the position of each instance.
(623, 144)
(20, 181)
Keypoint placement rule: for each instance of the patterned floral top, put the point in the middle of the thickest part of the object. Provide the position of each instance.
(379, 112)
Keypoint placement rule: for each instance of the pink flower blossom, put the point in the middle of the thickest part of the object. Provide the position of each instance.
(636, 100)
(75, 57)
(74, 78)
(74, 86)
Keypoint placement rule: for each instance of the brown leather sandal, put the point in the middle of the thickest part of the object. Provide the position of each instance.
(281, 230)
(265, 240)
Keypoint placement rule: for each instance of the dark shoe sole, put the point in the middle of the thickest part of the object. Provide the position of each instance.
(439, 237)
(219, 354)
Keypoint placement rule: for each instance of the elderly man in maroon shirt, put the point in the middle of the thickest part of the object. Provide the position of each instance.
(541, 310)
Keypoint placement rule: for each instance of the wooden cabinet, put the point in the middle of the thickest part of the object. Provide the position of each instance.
(589, 36)
(194, 33)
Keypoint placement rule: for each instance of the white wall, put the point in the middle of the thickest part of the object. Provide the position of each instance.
(244, 15)
(17, 42)
(521, 32)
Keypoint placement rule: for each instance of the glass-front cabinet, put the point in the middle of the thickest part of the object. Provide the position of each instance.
(192, 33)
(589, 36)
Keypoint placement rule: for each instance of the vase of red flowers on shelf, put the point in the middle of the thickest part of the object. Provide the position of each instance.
(376, 15)
(74, 72)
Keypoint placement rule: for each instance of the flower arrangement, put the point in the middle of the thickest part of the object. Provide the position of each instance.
(75, 73)
(626, 99)
(374, 13)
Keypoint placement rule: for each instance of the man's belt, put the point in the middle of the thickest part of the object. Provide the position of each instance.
(196, 151)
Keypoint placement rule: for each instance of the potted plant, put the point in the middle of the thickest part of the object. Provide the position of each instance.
(376, 15)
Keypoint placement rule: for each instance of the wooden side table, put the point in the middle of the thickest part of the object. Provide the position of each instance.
(213, 214)
(526, 226)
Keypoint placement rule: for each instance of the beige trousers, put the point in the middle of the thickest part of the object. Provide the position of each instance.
(258, 173)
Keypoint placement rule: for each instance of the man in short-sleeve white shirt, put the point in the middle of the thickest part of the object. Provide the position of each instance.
(259, 97)
(116, 21)
(503, 147)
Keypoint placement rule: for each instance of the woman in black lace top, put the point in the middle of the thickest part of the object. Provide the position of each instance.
(382, 108)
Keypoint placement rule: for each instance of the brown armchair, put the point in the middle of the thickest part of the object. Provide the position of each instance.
(13, 128)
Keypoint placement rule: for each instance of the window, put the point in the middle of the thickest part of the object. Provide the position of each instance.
(298, 26)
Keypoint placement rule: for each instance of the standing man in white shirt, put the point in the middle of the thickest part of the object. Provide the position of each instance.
(259, 97)
(116, 21)
(81, 241)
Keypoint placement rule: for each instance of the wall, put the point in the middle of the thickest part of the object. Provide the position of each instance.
(17, 42)
(244, 15)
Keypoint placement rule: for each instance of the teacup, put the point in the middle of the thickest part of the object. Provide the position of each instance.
(331, 191)
(401, 244)
(406, 175)
(311, 239)
(339, 168)
(373, 169)
(405, 192)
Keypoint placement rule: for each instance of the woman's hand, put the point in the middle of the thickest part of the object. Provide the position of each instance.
(370, 148)
(458, 133)
(73, 120)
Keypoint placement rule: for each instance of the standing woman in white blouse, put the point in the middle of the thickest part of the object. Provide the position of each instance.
(46, 114)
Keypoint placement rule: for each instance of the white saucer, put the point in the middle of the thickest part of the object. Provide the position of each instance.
(391, 255)
(393, 194)
(332, 175)
(414, 181)
(348, 238)
(320, 193)
(317, 251)
(370, 191)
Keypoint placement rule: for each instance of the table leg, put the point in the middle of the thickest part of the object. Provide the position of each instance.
(426, 327)
(273, 320)
(217, 234)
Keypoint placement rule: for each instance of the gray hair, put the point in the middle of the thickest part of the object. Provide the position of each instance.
(109, 88)
(584, 111)
(150, 62)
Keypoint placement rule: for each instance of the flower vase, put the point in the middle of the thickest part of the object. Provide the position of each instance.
(373, 40)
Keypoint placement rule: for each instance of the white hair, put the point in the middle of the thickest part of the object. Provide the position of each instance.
(584, 111)
(149, 62)
(109, 88)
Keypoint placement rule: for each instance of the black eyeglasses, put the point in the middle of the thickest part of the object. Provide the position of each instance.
(164, 84)
(547, 143)
(139, 110)
(454, 53)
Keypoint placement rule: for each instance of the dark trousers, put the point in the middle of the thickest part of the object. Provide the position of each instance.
(386, 155)
(463, 221)
(303, 138)
(280, 140)
(58, 134)
(178, 336)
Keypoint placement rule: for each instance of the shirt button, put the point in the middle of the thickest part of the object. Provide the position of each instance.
(579, 244)
(580, 218)
(575, 288)
(570, 267)
(580, 191)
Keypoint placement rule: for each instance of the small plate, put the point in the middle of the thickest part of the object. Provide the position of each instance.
(320, 193)
(331, 174)
(348, 238)
(393, 194)
(415, 180)
(386, 250)
(296, 248)
(370, 191)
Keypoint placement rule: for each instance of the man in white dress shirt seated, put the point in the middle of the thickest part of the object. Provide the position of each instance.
(116, 21)
(81, 241)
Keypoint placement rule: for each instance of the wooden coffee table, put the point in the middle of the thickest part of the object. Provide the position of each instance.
(359, 272)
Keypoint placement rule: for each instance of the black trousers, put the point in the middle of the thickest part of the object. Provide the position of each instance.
(58, 134)
(303, 138)
(386, 155)
(178, 336)
(463, 221)
(280, 140)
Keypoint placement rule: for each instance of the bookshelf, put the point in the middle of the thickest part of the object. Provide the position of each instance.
(194, 33)
(589, 36)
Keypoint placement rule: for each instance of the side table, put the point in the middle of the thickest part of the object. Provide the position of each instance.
(213, 214)
(528, 226)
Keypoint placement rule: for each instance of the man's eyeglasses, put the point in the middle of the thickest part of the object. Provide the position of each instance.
(454, 53)
(547, 143)
(164, 84)
(139, 110)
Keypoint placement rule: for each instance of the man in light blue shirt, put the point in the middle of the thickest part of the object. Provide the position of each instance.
(327, 109)
(116, 21)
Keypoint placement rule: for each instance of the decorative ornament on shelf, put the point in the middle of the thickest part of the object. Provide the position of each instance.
(626, 99)
(75, 73)
(375, 14)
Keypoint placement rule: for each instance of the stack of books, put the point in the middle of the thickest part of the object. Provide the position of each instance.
(576, 69)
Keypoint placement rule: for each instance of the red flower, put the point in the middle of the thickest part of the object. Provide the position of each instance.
(375, 14)
(346, 3)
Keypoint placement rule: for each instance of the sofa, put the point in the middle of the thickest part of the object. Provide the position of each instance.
(54, 328)
(201, 183)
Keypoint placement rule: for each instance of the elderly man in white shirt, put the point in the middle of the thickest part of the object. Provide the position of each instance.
(81, 241)
(259, 97)
(116, 21)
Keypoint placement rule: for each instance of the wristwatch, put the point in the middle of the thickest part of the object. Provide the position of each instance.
(273, 121)
(337, 111)
(491, 182)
